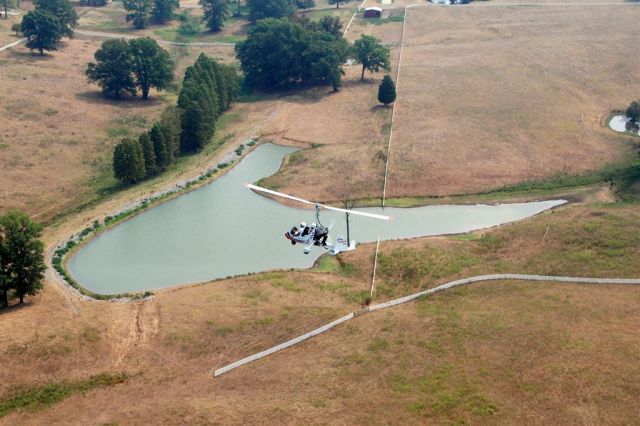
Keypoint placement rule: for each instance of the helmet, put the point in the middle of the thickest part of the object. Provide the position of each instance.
(303, 225)
(313, 225)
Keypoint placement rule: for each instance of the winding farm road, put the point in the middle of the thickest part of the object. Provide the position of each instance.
(159, 40)
(102, 34)
(412, 297)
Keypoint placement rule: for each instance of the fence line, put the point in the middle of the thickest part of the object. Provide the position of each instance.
(355, 12)
(411, 297)
(375, 264)
(393, 110)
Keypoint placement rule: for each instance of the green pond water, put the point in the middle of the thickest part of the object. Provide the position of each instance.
(224, 229)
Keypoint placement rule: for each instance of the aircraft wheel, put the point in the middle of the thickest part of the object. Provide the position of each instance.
(293, 243)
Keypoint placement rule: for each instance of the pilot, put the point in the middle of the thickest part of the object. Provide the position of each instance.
(320, 235)
(294, 231)
(305, 229)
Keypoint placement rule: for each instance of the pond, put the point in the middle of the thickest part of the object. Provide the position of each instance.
(224, 229)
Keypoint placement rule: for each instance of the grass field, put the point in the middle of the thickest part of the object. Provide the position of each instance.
(527, 87)
(111, 18)
(54, 118)
(6, 35)
(488, 96)
(346, 131)
(493, 352)
(494, 95)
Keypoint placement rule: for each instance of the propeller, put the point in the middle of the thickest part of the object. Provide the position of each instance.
(300, 200)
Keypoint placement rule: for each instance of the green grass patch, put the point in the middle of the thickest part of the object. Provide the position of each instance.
(616, 173)
(287, 284)
(42, 396)
(328, 264)
(403, 268)
(127, 126)
(394, 16)
(443, 395)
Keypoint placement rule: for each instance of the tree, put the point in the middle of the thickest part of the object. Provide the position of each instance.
(160, 147)
(325, 56)
(62, 10)
(370, 52)
(260, 9)
(192, 137)
(151, 65)
(16, 27)
(149, 154)
(42, 30)
(162, 10)
(305, 4)
(113, 68)
(633, 112)
(279, 53)
(337, 2)
(170, 125)
(271, 55)
(128, 161)
(331, 25)
(21, 256)
(215, 13)
(387, 91)
(138, 12)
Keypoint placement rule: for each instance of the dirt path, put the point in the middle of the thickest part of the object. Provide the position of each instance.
(412, 297)
(143, 325)
(127, 36)
(159, 40)
(15, 43)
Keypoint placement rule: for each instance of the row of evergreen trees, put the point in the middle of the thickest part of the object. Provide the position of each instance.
(152, 152)
(208, 89)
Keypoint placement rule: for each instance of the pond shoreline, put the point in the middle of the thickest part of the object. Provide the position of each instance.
(188, 240)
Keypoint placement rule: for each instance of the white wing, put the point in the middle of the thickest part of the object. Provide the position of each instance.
(300, 200)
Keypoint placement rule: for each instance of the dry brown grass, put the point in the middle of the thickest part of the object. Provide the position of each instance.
(6, 35)
(58, 131)
(348, 130)
(111, 18)
(496, 95)
(55, 136)
(488, 96)
(494, 352)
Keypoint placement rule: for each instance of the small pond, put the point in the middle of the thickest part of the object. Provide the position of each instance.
(224, 229)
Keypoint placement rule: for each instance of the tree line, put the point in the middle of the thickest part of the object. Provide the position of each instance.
(215, 12)
(280, 53)
(21, 257)
(208, 89)
(141, 12)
